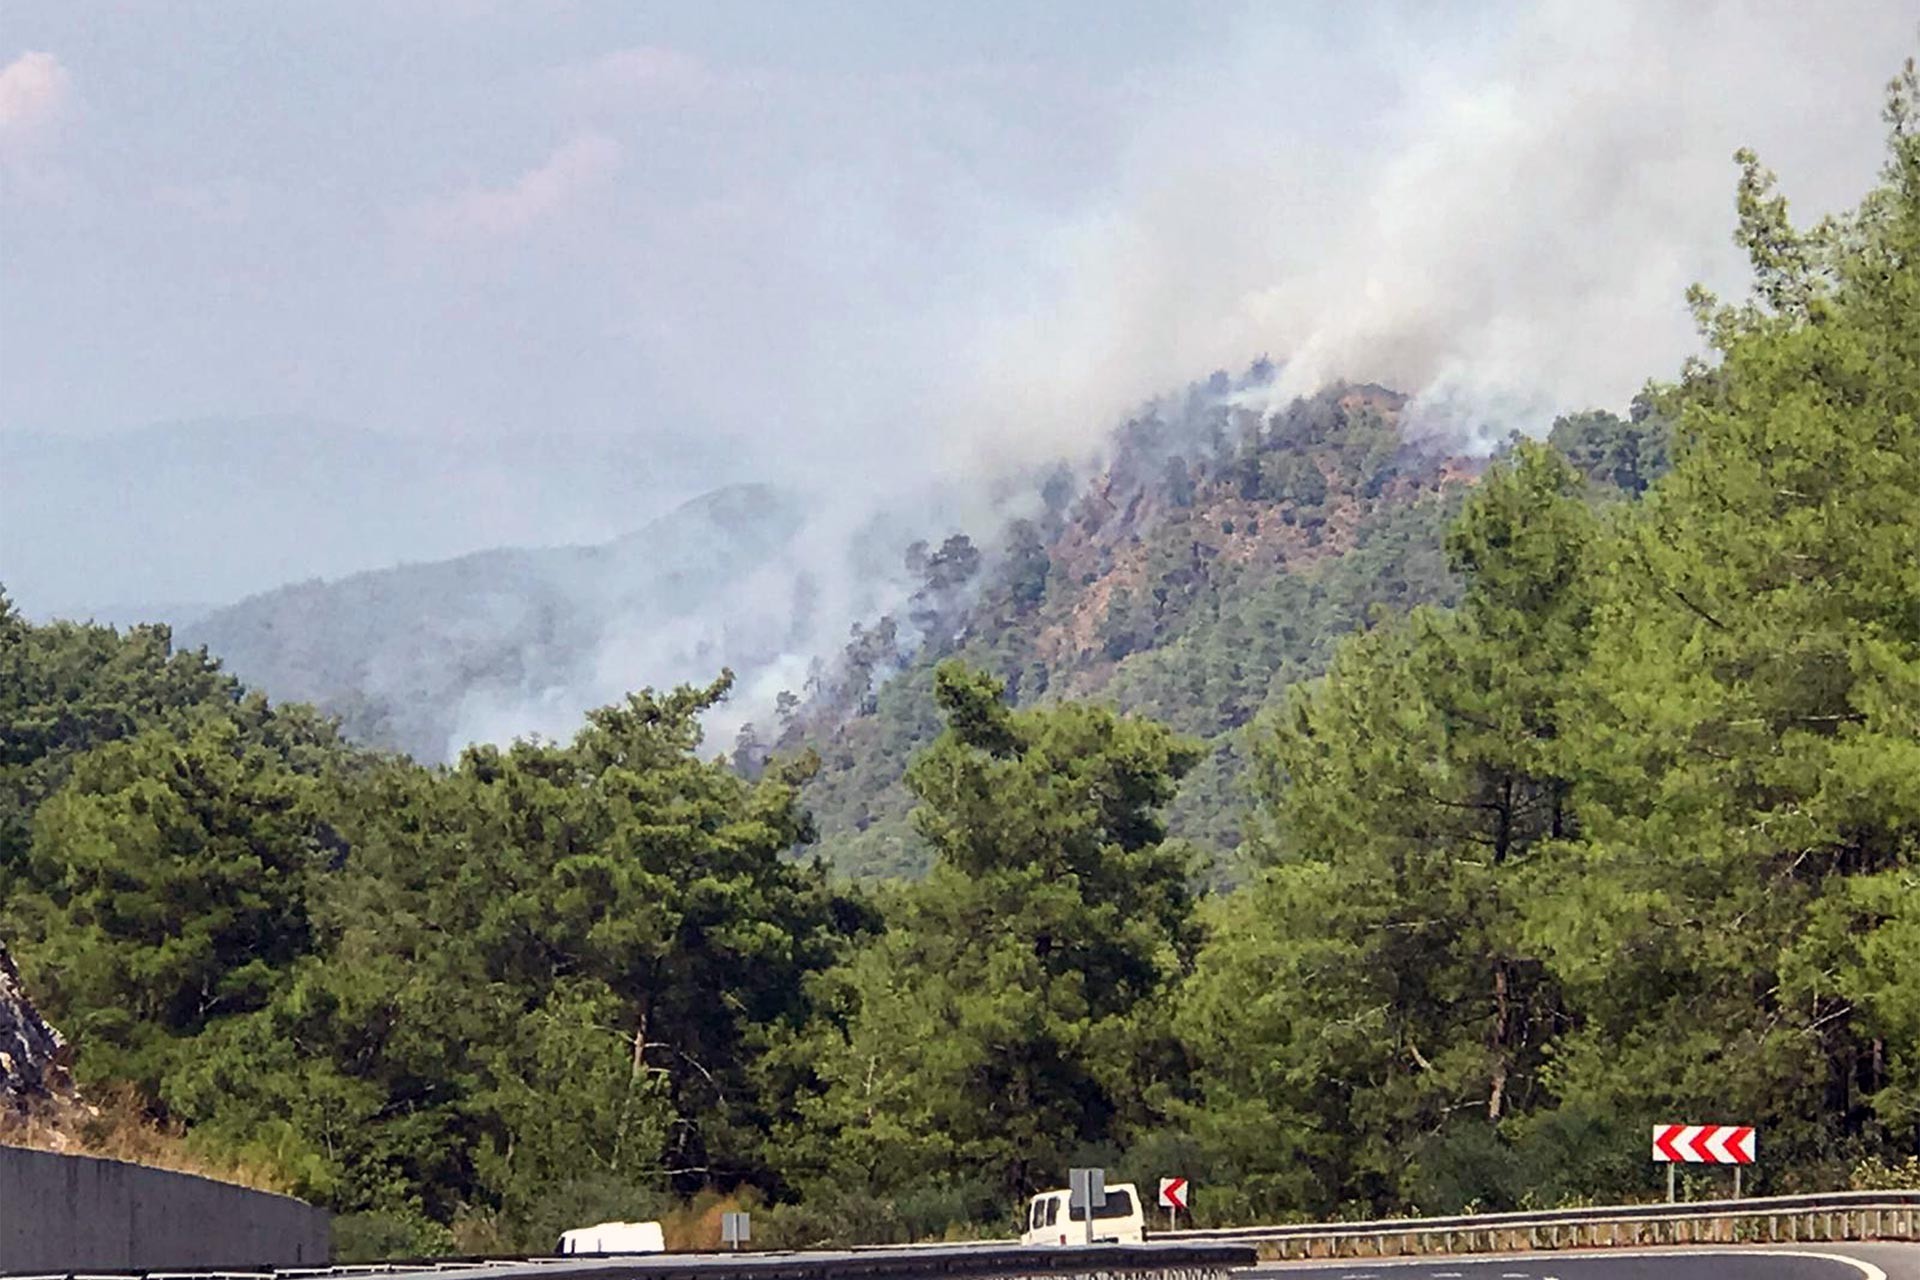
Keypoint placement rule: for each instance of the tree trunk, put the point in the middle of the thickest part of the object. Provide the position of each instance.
(640, 1040)
(1497, 1096)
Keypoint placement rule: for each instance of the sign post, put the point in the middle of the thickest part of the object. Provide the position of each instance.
(736, 1229)
(1703, 1144)
(1086, 1191)
(1173, 1197)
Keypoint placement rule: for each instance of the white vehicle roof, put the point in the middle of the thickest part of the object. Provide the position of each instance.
(614, 1237)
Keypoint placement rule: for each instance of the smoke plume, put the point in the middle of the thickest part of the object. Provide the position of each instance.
(1513, 236)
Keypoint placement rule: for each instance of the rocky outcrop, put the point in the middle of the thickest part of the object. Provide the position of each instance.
(33, 1056)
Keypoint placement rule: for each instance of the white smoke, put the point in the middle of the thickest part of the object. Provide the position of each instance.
(1515, 238)
(683, 602)
(1504, 226)
(883, 281)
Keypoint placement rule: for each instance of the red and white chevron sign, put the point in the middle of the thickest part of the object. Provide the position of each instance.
(1703, 1144)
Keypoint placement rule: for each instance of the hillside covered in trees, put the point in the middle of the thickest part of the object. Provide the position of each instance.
(1612, 820)
(1211, 563)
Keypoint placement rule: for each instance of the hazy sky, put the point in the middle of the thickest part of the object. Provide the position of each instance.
(890, 234)
(473, 217)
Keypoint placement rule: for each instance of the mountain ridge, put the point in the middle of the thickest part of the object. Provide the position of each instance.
(1207, 567)
(215, 509)
(1192, 575)
(399, 653)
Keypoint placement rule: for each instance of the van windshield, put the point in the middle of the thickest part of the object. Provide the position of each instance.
(1119, 1205)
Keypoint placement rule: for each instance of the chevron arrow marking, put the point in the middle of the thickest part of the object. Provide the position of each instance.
(1703, 1143)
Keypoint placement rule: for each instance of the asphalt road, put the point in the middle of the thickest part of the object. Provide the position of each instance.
(1857, 1263)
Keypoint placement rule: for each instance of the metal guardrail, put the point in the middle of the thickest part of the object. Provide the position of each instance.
(1208, 1254)
(1155, 1260)
(1833, 1216)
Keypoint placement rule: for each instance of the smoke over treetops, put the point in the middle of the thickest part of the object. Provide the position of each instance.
(1503, 219)
(935, 260)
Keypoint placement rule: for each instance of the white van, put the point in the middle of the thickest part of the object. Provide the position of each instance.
(614, 1237)
(1119, 1221)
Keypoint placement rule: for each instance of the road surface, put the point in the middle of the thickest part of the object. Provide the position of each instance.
(1843, 1262)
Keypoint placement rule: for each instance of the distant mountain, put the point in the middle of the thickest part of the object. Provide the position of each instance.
(1213, 560)
(1210, 563)
(213, 510)
(427, 657)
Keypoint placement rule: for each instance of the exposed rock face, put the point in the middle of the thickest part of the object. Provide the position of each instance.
(33, 1056)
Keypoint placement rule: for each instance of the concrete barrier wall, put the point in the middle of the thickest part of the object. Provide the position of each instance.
(63, 1213)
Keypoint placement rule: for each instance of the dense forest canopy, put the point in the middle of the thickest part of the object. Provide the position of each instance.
(1607, 818)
